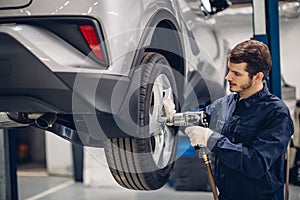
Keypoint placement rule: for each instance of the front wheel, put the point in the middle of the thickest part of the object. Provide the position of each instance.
(145, 163)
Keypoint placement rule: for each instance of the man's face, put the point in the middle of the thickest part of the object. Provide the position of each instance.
(238, 77)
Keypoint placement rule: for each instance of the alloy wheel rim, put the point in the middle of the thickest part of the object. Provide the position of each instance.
(162, 138)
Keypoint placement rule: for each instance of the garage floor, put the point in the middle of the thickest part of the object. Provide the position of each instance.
(33, 186)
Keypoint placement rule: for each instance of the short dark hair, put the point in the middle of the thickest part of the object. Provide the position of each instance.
(256, 54)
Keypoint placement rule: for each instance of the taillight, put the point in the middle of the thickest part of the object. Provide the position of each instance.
(92, 40)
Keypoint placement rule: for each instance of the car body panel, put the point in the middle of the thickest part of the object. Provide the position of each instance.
(122, 32)
(127, 35)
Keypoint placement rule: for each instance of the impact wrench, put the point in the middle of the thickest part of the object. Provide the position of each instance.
(197, 118)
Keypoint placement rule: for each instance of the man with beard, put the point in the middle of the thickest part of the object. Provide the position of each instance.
(249, 130)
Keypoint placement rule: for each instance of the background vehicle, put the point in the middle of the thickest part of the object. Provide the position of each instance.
(95, 73)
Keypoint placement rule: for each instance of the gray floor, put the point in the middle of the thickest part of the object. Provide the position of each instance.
(42, 186)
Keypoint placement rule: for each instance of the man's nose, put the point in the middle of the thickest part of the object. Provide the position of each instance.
(228, 77)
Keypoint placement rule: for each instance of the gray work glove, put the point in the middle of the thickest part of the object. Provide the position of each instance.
(169, 107)
(198, 135)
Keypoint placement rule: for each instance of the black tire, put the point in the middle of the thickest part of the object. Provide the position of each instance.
(146, 163)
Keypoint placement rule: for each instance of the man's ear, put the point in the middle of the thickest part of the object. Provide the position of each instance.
(259, 76)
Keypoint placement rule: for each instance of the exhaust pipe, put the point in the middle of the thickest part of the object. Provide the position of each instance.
(46, 120)
(7, 121)
(15, 119)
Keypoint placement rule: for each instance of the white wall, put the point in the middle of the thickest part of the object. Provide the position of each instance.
(237, 28)
(96, 172)
(58, 155)
(290, 52)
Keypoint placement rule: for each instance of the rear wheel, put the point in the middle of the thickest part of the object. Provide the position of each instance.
(145, 163)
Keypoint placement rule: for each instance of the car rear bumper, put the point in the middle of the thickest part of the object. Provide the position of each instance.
(40, 72)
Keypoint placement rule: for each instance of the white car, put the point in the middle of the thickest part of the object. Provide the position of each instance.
(96, 72)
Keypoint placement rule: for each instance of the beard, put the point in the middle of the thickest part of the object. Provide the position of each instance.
(242, 87)
(247, 85)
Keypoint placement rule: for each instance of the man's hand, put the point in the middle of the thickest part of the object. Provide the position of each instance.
(169, 107)
(198, 135)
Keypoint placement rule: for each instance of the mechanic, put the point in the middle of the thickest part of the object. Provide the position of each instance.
(249, 129)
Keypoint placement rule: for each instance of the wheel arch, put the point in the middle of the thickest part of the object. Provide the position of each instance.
(169, 44)
(162, 19)
(166, 38)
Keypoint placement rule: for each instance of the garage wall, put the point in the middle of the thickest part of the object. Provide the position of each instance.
(237, 28)
(290, 51)
(58, 155)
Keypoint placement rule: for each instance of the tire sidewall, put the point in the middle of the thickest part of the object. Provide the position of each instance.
(153, 68)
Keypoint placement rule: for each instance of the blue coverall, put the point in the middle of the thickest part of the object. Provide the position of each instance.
(249, 141)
